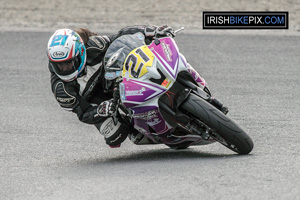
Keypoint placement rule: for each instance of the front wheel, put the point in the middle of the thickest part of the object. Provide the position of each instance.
(224, 130)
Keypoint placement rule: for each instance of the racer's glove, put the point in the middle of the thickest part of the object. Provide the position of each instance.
(106, 108)
(165, 30)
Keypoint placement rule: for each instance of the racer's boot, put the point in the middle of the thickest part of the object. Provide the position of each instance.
(141, 139)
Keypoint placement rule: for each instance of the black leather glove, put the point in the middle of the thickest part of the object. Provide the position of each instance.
(165, 30)
(106, 108)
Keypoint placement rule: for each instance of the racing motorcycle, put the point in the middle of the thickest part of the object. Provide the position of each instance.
(156, 94)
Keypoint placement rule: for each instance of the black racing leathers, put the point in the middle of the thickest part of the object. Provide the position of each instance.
(83, 95)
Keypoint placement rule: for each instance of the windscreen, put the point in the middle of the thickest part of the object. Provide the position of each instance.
(119, 49)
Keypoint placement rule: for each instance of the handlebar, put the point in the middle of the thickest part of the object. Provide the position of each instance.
(121, 113)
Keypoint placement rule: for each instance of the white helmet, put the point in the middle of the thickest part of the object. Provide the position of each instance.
(67, 54)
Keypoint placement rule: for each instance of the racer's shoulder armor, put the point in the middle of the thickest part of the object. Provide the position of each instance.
(96, 48)
(99, 42)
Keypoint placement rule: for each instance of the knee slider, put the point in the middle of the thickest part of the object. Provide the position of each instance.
(114, 134)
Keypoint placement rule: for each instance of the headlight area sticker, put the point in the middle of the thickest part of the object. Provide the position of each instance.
(245, 20)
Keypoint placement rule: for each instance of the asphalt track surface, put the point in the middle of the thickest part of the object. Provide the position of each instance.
(46, 153)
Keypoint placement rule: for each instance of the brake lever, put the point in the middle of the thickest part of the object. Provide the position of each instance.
(178, 30)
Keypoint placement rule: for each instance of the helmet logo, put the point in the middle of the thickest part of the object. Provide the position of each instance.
(82, 51)
(58, 54)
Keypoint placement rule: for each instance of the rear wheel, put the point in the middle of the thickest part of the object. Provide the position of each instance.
(223, 129)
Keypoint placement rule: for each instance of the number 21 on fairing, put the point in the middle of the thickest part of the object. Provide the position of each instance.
(59, 40)
(137, 61)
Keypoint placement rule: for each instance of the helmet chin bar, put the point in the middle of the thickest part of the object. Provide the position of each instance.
(68, 78)
(67, 65)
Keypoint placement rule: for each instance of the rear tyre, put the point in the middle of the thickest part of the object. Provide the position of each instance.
(224, 130)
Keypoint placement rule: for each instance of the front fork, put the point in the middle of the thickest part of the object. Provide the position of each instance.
(183, 120)
(204, 93)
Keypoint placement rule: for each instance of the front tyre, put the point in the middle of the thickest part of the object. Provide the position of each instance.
(224, 130)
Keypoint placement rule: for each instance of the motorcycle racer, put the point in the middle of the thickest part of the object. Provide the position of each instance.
(78, 83)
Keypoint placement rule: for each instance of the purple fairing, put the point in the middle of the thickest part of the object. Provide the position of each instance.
(138, 92)
(134, 93)
(182, 58)
(149, 116)
(167, 53)
(196, 76)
